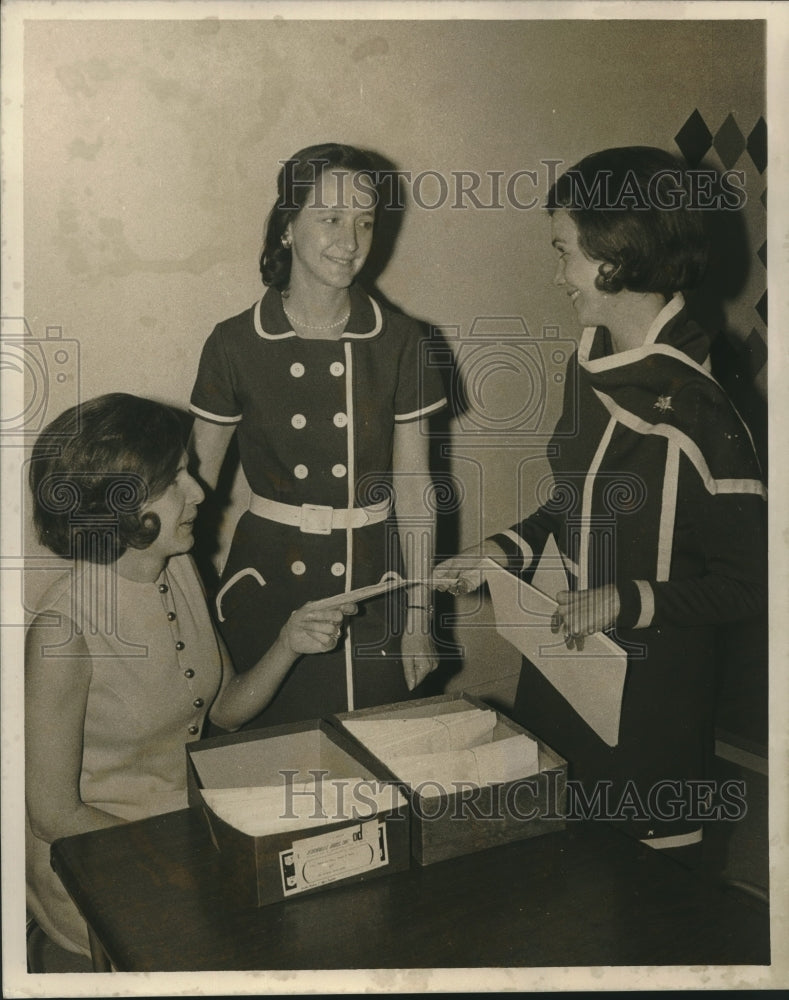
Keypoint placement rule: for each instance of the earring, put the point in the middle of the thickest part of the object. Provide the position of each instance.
(285, 241)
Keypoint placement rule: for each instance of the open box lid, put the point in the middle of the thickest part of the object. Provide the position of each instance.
(266, 760)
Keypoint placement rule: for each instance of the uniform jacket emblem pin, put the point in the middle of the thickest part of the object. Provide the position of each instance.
(663, 404)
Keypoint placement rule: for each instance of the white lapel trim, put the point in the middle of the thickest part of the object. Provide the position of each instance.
(668, 511)
(586, 506)
(668, 312)
(687, 445)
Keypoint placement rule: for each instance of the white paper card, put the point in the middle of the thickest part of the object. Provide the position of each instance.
(592, 680)
(389, 738)
(489, 764)
(267, 810)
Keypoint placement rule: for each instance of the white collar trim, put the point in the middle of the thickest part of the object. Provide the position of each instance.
(347, 335)
(674, 306)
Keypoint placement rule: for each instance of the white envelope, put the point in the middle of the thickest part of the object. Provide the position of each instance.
(592, 680)
(388, 582)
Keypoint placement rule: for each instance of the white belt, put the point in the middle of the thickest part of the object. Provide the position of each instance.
(314, 519)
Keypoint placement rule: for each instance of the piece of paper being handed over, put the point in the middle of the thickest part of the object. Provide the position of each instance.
(591, 680)
(388, 582)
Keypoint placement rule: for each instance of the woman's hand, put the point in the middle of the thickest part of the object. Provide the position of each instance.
(244, 695)
(463, 573)
(416, 648)
(584, 612)
(311, 630)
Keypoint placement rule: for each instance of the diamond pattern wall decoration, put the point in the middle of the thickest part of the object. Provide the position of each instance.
(696, 143)
(694, 139)
(757, 145)
(761, 308)
(729, 142)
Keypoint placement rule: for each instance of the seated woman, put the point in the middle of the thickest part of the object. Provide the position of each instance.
(657, 508)
(122, 662)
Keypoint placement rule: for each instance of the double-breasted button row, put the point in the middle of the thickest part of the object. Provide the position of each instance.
(298, 568)
(336, 368)
(299, 421)
(338, 471)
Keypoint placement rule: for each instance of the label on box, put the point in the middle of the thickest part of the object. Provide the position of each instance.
(329, 857)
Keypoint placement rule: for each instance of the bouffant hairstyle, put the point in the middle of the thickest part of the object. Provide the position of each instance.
(295, 183)
(93, 470)
(634, 212)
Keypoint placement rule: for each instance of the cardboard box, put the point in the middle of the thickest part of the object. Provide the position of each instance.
(282, 865)
(465, 819)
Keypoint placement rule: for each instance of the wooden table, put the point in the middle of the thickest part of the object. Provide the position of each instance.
(153, 896)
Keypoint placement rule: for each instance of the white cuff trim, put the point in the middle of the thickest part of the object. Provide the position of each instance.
(401, 418)
(522, 544)
(214, 417)
(678, 840)
(647, 604)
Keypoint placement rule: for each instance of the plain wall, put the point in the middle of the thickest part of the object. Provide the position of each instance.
(151, 148)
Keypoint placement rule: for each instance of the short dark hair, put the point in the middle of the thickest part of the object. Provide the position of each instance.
(95, 467)
(295, 181)
(633, 210)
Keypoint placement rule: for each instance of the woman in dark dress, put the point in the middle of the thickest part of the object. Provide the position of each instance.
(330, 397)
(658, 508)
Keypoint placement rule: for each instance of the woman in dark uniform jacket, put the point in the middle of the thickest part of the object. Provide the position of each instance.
(658, 508)
(330, 398)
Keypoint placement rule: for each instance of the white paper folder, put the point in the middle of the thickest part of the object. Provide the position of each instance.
(592, 680)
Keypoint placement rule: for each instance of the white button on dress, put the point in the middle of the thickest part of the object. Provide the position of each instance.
(298, 420)
(337, 569)
(338, 471)
(337, 368)
(298, 568)
(340, 420)
(301, 472)
(297, 369)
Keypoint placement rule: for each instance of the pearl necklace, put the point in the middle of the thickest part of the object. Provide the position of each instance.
(295, 321)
